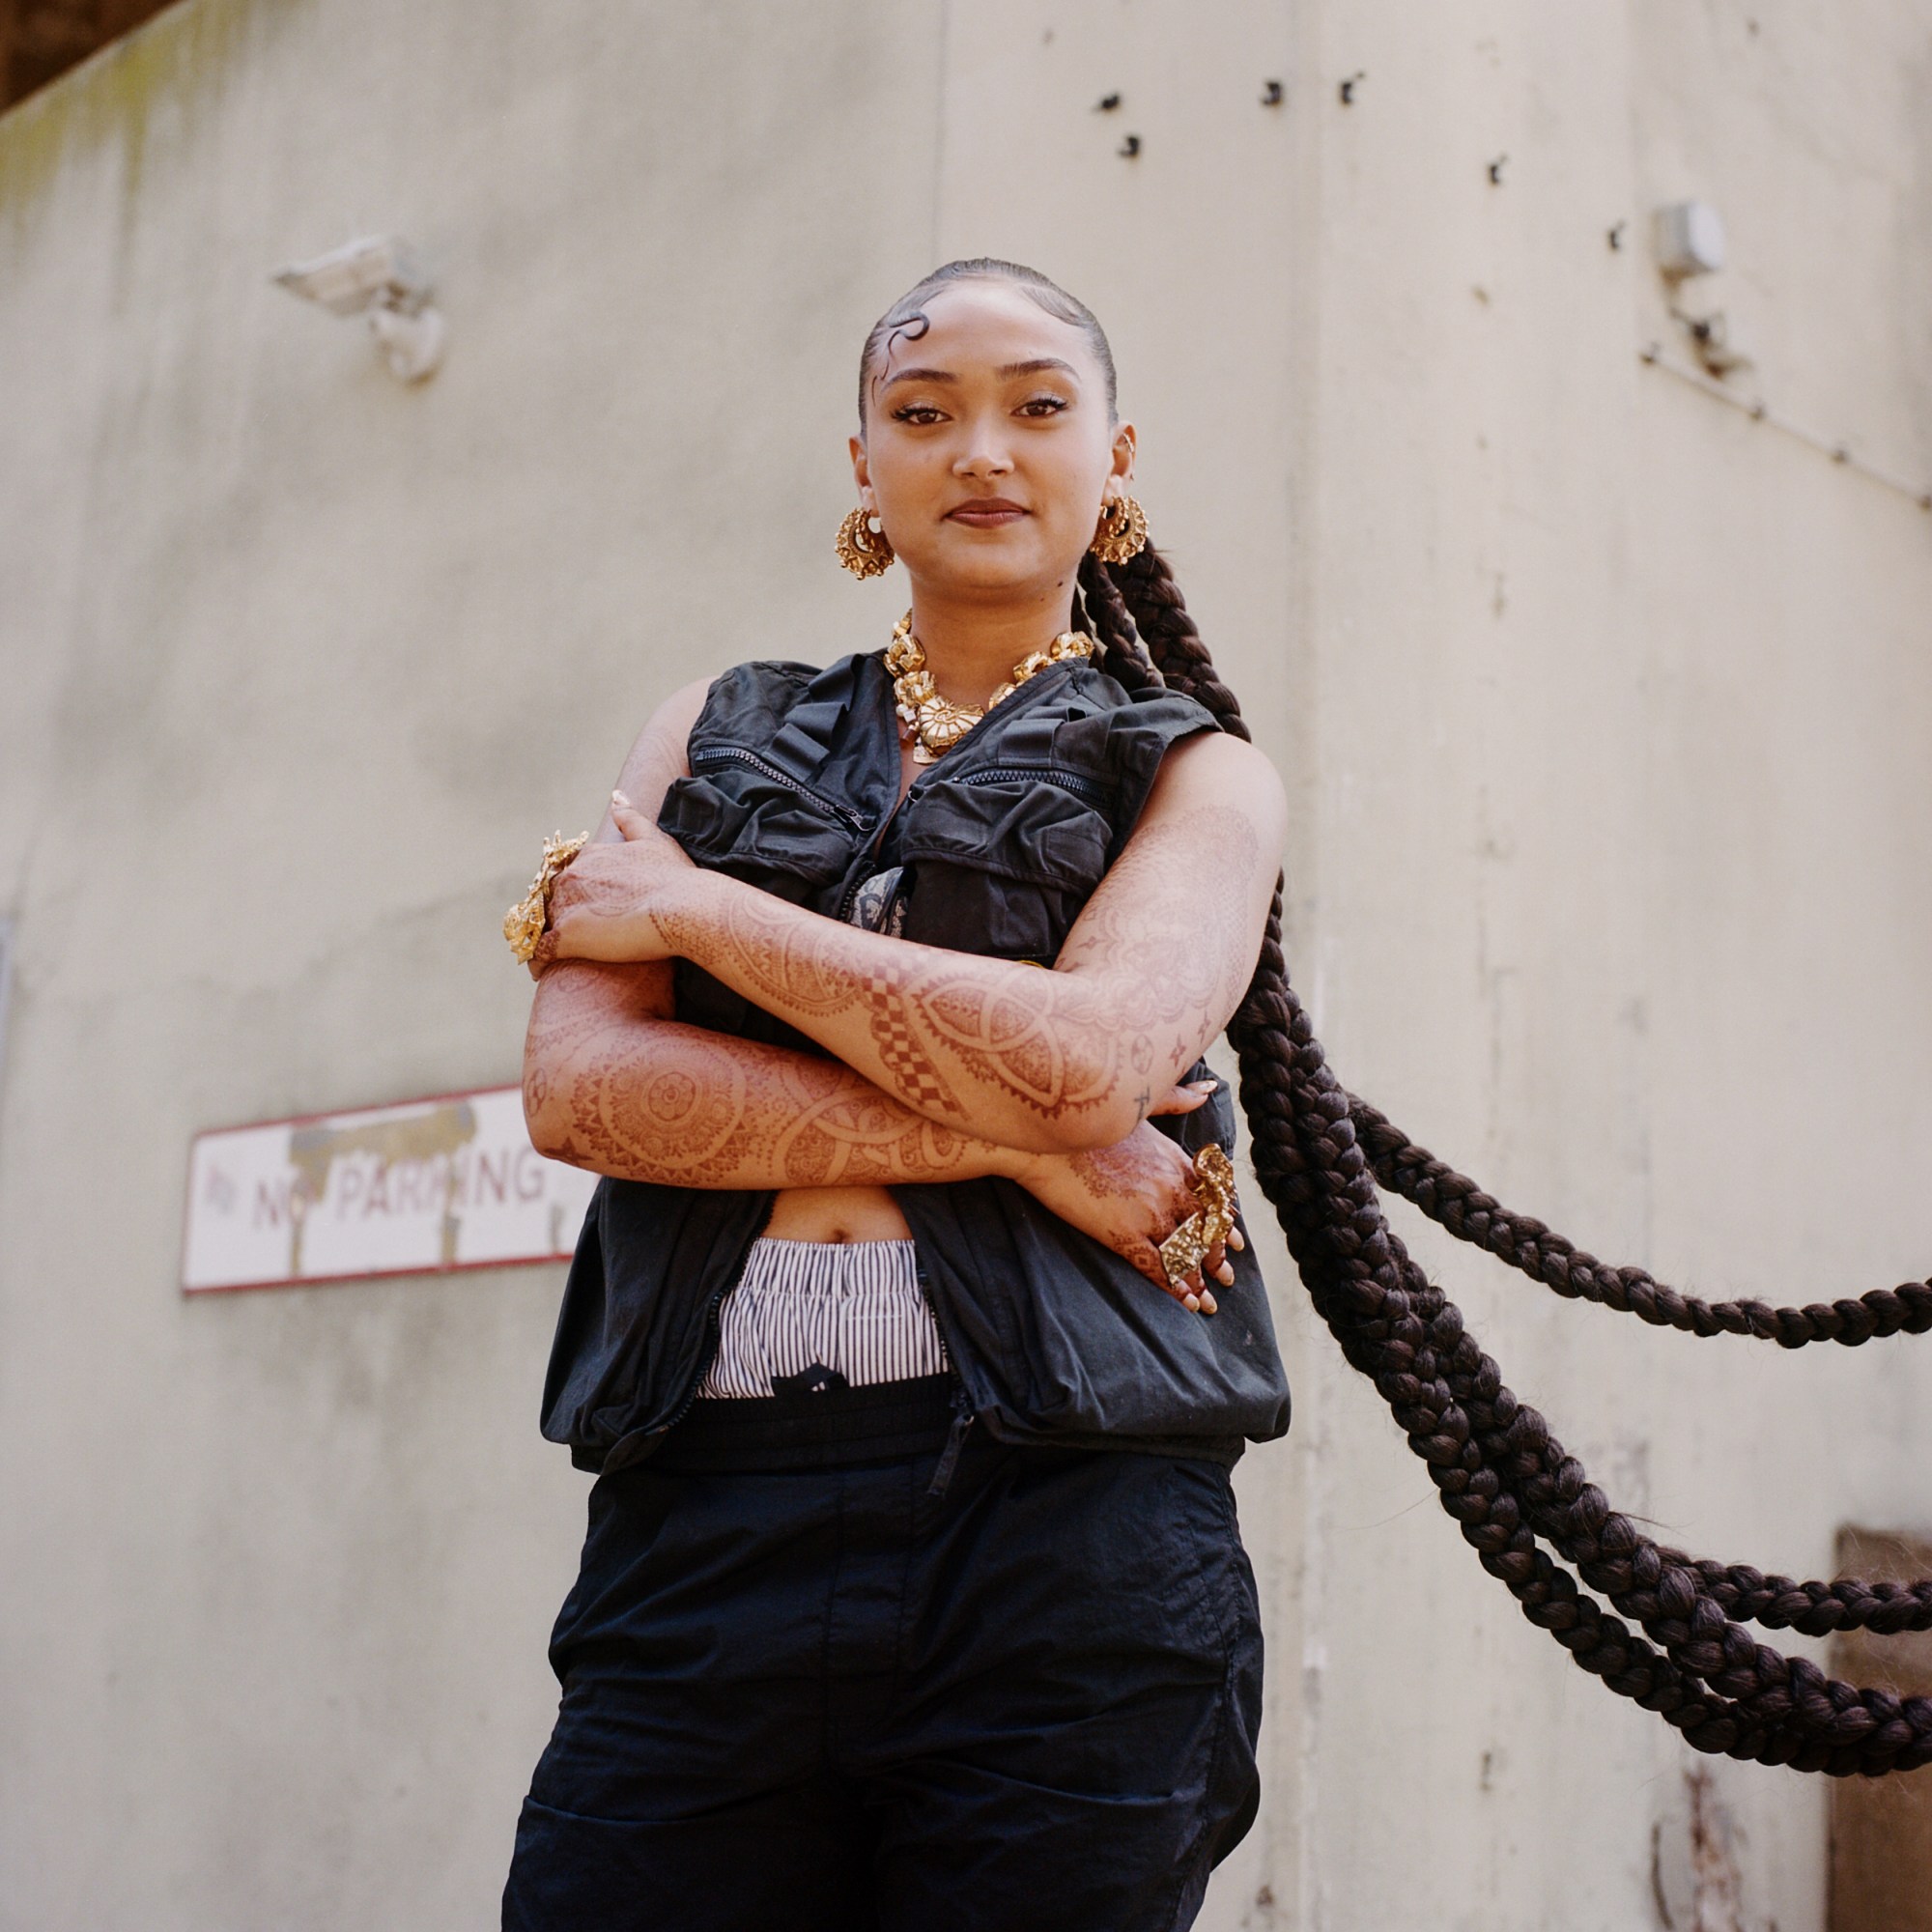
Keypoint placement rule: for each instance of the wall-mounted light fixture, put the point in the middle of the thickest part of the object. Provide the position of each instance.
(378, 277)
(1689, 240)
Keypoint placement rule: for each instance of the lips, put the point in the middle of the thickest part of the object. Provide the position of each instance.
(986, 512)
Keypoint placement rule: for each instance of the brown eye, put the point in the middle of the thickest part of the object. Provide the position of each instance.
(1043, 406)
(916, 413)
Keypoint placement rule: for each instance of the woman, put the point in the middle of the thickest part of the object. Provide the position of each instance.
(903, 1330)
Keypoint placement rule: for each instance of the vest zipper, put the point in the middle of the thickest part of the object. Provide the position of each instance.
(956, 1442)
(737, 754)
(1086, 789)
(873, 846)
(962, 1402)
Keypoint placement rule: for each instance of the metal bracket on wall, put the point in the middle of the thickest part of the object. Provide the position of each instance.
(1760, 410)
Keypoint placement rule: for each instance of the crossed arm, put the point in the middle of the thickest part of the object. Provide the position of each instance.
(947, 1065)
(612, 1081)
(1041, 1062)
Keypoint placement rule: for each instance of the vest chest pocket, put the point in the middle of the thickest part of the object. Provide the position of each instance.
(1003, 859)
(741, 813)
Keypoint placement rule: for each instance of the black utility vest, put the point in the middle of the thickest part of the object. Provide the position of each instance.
(996, 848)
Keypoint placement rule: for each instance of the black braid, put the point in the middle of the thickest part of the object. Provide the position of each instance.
(1106, 618)
(1455, 1203)
(1160, 615)
(1501, 1474)
(1318, 1152)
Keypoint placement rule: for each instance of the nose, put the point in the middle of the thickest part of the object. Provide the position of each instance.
(984, 454)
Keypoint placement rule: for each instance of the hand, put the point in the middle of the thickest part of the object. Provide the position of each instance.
(1131, 1197)
(613, 902)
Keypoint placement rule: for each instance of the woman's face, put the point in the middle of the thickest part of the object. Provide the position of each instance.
(988, 445)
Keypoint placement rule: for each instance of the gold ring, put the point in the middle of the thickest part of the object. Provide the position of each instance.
(525, 922)
(1212, 1222)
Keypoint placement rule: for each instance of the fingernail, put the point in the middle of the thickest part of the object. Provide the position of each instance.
(1208, 1304)
(621, 799)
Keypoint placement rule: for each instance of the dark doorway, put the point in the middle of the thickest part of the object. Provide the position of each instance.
(1882, 1828)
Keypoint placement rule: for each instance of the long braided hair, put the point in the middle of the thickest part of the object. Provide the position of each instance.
(1527, 1507)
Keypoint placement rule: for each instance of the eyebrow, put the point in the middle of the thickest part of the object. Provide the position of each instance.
(1005, 371)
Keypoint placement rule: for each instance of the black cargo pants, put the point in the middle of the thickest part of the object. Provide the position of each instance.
(826, 1700)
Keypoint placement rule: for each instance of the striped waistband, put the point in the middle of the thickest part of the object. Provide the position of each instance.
(814, 1316)
(808, 1268)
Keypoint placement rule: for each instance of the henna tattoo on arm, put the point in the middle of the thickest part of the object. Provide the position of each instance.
(1153, 967)
(616, 1086)
(613, 1084)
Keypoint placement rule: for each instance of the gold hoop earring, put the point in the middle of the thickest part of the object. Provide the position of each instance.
(1121, 531)
(863, 550)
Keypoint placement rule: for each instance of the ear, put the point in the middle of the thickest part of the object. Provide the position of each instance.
(1120, 467)
(862, 475)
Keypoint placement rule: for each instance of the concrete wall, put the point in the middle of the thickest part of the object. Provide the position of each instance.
(1605, 709)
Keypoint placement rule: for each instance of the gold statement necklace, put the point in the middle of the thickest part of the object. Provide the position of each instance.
(936, 723)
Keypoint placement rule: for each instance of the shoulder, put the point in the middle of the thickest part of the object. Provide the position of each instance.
(1222, 761)
(750, 699)
(1182, 737)
(1127, 738)
(761, 694)
(1213, 769)
(747, 698)
(679, 712)
(749, 703)
(657, 759)
(1149, 720)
